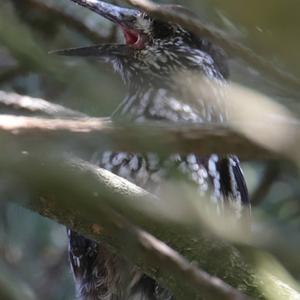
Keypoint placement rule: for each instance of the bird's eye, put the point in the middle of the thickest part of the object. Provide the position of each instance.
(161, 30)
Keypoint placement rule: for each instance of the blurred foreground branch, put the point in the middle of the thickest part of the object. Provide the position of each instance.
(36, 105)
(98, 204)
(12, 287)
(60, 187)
(88, 133)
(257, 128)
(97, 207)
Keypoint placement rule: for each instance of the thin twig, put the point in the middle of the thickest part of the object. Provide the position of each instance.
(211, 287)
(269, 176)
(36, 105)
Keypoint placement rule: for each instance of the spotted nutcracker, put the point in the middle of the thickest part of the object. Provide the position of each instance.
(153, 52)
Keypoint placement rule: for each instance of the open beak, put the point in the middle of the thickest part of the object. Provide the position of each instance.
(126, 18)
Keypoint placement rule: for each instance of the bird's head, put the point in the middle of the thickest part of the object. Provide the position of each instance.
(153, 51)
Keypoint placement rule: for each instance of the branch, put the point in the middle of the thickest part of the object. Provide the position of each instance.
(270, 175)
(90, 133)
(54, 191)
(36, 105)
(97, 203)
(210, 287)
(12, 287)
(190, 21)
(254, 139)
(72, 182)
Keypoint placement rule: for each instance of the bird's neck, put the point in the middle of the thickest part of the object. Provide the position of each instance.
(136, 104)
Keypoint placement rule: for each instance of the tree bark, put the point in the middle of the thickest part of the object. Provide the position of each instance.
(98, 204)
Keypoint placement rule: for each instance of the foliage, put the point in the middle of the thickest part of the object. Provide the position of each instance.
(33, 248)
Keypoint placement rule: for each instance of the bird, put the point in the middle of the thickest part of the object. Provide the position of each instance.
(151, 60)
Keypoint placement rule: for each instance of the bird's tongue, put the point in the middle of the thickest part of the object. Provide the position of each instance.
(133, 38)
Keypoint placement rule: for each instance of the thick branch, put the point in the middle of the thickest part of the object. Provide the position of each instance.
(82, 197)
(254, 139)
(49, 186)
(87, 133)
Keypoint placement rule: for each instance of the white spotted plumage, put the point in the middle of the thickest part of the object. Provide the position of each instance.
(159, 92)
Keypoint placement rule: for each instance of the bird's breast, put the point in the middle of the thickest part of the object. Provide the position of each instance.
(164, 105)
